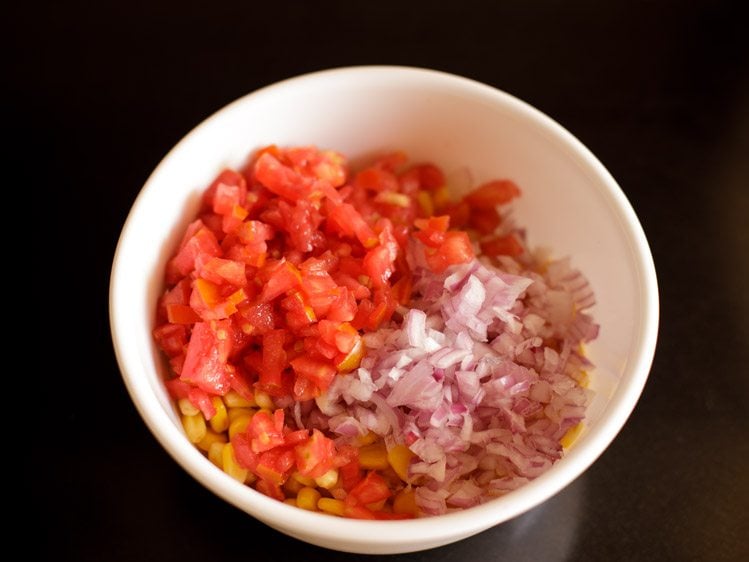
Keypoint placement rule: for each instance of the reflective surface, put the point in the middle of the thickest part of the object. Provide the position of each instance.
(658, 91)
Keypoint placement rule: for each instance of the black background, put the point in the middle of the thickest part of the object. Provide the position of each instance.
(659, 91)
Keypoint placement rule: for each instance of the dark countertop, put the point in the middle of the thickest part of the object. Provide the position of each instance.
(659, 91)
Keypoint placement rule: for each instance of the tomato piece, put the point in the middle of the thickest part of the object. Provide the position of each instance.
(349, 470)
(378, 266)
(219, 270)
(502, 246)
(202, 401)
(376, 179)
(177, 389)
(274, 361)
(348, 221)
(171, 338)
(299, 313)
(256, 319)
(279, 178)
(314, 457)
(270, 489)
(315, 370)
(205, 362)
(423, 176)
(243, 452)
(274, 465)
(346, 362)
(181, 314)
(493, 193)
(202, 242)
(370, 490)
(456, 248)
(226, 191)
(266, 431)
(485, 220)
(284, 278)
(358, 512)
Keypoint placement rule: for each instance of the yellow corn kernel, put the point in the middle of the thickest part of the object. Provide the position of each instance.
(215, 454)
(186, 407)
(367, 439)
(376, 506)
(194, 427)
(210, 438)
(230, 464)
(292, 486)
(583, 379)
(424, 200)
(571, 436)
(233, 399)
(234, 413)
(303, 480)
(220, 420)
(331, 506)
(399, 458)
(290, 501)
(374, 457)
(328, 480)
(263, 400)
(405, 502)
(239, 425)
(441, 198)
(307, 498)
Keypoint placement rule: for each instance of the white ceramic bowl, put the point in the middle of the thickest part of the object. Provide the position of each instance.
(570, 203)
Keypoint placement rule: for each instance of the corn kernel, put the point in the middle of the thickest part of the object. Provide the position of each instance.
(215, 454)
(303, 480)
(441, 198)
(571, 436)
(230, 464)
(233, 399)
(399, 458)
(239, 425)
(194, 427)
(425, 203)
(405, 502)
(186, 407)
(328, 480)
(376, 506)
(367, 439)
(220, 420)
(331, 506)
(210, 438)
(263, 400)
(307, 498)
(374, 457)
(290, 501)
(234, 413)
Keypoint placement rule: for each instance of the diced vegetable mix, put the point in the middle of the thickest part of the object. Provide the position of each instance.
(337, 345)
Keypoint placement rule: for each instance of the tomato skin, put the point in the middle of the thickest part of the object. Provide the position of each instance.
(314, 457)
(502, 246)
(203, 242)
(171, 338)
(265, 431)
(456, 248)
(279, 178)
(284, 278)
(317, 371)
(371, 489)
(207, 352)
(493, 193)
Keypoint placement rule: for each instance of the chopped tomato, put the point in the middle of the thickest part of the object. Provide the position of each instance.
(205, 362)
(493, 193)
(370, 490)
(266, 431)
(502, 246)
(314, 457)
(317, 371)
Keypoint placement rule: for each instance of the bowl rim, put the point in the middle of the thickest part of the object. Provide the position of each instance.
(298, 522)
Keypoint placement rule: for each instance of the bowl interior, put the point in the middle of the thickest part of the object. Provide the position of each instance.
(570, 204)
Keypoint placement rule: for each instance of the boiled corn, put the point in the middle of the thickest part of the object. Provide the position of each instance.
(220, 420)
(331, 506)
(399, 458)
(307, 498)
(194, 427)
(230, 464)
(374, 457)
